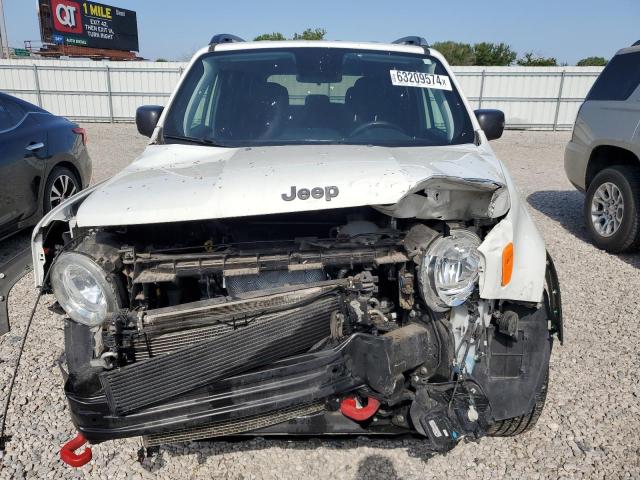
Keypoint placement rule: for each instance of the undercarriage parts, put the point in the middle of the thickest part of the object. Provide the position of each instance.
(232, 427)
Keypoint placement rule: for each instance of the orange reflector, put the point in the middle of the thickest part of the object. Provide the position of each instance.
(507, 263)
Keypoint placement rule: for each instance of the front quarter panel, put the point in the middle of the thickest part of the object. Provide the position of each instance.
(529, 258)
(64, 212)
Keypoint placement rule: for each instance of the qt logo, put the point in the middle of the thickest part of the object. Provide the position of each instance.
(66, 16)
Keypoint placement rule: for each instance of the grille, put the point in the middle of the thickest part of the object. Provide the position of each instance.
(232, 427)
(265, 339)
(271, 279)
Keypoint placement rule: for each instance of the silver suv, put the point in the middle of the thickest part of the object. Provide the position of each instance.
(603, 156)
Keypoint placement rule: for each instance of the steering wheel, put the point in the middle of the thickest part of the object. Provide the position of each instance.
(375, 124)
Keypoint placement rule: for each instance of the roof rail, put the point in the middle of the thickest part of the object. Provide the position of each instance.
(636, 44)
(225, 38)
(412, 40)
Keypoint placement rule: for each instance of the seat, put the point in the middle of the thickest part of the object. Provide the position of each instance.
(272, 108)
(317, 112)
(375, 99)
(258, 112)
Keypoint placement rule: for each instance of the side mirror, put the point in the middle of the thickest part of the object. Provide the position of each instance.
(147, 118)
(491, 122)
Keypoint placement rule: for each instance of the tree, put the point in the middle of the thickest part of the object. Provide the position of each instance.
(456, 53)
(531, 60)
(311, 34)
(308, 34)
(592, 62)
(270, 36)
(499, 54)
(161, 60)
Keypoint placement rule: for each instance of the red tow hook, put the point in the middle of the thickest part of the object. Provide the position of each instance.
(349, 408)
(68, 452)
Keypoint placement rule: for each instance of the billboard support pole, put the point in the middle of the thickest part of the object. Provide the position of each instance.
(4, 41)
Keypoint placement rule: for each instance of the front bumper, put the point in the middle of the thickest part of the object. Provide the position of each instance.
(312, 384)
(361, 359)
(576, 159)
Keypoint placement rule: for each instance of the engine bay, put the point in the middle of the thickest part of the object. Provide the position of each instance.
(339, 312)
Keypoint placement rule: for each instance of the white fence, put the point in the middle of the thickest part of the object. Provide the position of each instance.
(544, 98)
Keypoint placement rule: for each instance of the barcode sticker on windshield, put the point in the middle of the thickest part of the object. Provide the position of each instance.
(419, 79)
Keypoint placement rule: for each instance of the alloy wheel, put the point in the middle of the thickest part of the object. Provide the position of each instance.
(607, 209)
(62, 188)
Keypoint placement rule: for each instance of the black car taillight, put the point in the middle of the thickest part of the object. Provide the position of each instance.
(82, 132)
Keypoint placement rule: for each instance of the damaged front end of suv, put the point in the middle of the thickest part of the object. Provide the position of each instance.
(281, 286)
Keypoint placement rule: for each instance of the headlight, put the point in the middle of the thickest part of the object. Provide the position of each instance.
(82, 289)
(449, 270)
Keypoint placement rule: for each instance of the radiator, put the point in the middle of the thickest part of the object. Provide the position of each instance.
(264, 339)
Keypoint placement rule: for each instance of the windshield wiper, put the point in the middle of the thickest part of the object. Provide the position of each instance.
(199, 141)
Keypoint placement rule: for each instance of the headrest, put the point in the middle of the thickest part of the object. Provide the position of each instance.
(316, 100)
(371, 84)
(276, 92)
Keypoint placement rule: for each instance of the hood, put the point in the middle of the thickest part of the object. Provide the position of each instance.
(170, 183)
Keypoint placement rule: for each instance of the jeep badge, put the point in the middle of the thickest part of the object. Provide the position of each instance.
(317, 192)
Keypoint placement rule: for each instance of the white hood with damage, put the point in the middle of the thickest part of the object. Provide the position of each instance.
(170, 183)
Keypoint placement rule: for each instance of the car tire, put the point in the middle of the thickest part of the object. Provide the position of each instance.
(61, 184)
(623, 181)
(523, 423)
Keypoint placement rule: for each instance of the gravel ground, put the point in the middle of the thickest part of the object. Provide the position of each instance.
(589, 428)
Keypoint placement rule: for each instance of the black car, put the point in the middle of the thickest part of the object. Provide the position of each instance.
(43, 160)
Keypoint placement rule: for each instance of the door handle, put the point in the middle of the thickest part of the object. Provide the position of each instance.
(32, 147)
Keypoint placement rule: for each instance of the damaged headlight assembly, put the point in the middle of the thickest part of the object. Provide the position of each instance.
(81, 288)
(449, 269)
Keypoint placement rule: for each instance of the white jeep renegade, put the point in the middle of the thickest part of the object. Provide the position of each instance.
(317, 240)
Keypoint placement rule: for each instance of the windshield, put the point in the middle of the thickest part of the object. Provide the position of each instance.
(317, 95)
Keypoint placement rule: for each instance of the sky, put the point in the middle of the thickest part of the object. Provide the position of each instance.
(565, 29)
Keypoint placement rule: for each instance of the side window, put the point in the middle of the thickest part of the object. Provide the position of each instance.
(438, 119)
(10, 114)
(619, 79)
(437, 110)
(197, 120)
(201, 107)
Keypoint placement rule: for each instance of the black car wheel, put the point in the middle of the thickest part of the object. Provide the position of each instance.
(612, 209)
(517, 425)
(61, 184)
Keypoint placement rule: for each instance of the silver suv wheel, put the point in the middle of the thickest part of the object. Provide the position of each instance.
(607, 209)
(612, 208)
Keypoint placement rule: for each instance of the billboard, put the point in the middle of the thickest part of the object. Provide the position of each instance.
(88, 24)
